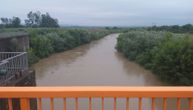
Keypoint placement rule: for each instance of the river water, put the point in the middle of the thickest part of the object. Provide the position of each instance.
(97, 64)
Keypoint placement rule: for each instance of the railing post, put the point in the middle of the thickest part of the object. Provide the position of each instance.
(24, 104)
(103, 108)
(115, 103)
(65, 103)
(191, 104)
(39, 104)
(10, 105)
(140, 103)
(51, 103)
(127, 103)
(90, 103)
(164, 103)
(153, 104)
(178, 103)
(76, 103)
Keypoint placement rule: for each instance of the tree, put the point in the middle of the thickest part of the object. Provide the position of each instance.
(11, 22)
(34, 19)
(48, 21)
(187, 28)
(5, 21)
(16, 22)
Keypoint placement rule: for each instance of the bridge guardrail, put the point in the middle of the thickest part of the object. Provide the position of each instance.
(25, 93)
(12, 63)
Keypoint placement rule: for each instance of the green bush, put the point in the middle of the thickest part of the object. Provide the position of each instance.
(41, 45)
(32, 58)
(133, 43)
(173, 61)
(169, 56)
(57, 42)
(45, 41)
(80, 36)
(70, 41)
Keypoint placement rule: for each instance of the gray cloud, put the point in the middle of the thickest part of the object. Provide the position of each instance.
(105, 12)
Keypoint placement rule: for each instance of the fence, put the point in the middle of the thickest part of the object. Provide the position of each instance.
(11, 64)
(25, 93)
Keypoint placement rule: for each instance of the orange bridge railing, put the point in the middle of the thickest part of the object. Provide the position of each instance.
(26, 93)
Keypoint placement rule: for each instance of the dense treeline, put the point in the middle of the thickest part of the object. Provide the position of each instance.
(44, 42)
(188, 28)
(10, 22)
(34, 19)
(37, 19)
(169, 56)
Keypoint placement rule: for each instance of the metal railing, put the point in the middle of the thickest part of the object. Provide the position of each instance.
(26, 93)
(12, 63)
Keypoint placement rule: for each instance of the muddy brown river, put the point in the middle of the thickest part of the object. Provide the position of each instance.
(97, 64)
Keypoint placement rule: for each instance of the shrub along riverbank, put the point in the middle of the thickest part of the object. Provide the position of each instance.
(169, 56)
(44, 42)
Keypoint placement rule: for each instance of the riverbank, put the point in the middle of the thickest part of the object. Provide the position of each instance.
(96, 63)
(47, 41)
(168, 55)
(44, 42)
(93, 64)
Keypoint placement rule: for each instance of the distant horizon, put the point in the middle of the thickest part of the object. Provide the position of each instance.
(120, 26)
(66, 25)
(77, 25)
(105, 12)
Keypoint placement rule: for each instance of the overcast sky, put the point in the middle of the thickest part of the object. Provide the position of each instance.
(105, 12)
